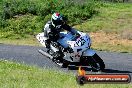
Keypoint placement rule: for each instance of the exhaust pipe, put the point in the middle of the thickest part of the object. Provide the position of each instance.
(45, 54)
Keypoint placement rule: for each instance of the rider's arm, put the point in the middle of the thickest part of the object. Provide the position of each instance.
(46, 30)
(68, 28)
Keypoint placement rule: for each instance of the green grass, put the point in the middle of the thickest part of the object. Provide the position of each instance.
(28, 41)
(112, 17)
(14, 75)
(113, 48)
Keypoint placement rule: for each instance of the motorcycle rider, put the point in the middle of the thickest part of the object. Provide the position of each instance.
(52, 31)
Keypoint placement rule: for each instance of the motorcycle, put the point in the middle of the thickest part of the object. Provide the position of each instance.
(82, 54)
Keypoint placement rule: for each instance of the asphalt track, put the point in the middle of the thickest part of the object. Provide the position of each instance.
(115, 62)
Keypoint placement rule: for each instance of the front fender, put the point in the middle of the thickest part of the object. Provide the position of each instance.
(88, 52)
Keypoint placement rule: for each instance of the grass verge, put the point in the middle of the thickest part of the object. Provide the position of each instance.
(14, 75)
(110, 42)
(28, 41)
(112, 17)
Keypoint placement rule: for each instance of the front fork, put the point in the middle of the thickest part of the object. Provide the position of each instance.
(87, 57)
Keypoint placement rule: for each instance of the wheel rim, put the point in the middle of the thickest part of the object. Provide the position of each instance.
(95, 65)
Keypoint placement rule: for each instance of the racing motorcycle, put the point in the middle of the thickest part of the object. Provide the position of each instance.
(82, 54)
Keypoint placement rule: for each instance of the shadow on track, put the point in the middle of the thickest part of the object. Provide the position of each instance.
(104, 71)
(115, 71)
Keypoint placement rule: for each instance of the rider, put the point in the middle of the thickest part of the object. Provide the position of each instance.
(53, 27)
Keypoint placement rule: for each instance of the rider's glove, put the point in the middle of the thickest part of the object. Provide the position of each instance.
(77, 35)
(69, 50)
(53, 36)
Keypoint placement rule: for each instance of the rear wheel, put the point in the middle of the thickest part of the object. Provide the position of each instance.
(96, 63)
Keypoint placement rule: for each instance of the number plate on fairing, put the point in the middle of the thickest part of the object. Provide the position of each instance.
(80, 42)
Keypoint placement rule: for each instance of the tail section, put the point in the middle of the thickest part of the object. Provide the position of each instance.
(41, 38)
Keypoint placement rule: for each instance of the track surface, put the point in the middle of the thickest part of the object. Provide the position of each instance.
(115, 62)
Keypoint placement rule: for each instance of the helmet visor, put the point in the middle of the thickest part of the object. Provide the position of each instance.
(57, 22)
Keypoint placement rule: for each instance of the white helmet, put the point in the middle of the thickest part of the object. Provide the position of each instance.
(57, 20)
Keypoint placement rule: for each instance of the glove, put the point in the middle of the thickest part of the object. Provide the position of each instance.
(68, 49)
(47, 43)
(77, 35)
(53, 36)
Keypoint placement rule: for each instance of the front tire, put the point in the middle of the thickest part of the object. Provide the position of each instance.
(97, 63)
(65, 64)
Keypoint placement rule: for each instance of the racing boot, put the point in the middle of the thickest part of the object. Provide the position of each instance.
(58, 57)
(47, 44)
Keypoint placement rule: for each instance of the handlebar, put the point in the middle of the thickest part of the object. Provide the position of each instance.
(76, 36)
(71, 36)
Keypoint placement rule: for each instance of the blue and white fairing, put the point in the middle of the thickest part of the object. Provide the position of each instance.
(80, 45)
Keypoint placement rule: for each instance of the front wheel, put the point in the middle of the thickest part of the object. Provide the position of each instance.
(65, 64)
(96, 63)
